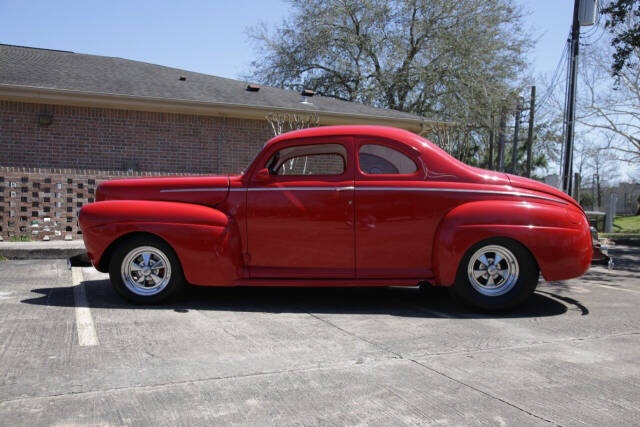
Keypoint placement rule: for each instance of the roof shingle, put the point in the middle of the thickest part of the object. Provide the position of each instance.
(63, 70)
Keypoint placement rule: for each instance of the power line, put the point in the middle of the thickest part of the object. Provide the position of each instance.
(590, 35)
(555, 80)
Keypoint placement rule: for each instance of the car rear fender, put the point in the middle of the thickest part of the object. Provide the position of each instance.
(557, 238)
(206, 241)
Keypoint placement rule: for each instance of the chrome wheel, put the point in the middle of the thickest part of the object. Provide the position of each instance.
(493, 270)
(146, 270)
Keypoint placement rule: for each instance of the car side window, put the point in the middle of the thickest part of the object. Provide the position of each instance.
(375, 159)
(315, 159)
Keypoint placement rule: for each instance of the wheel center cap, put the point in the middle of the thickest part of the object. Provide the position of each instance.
(492, 270)
(146, 271)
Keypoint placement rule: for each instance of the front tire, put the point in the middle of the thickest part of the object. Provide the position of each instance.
(496, 274)
(145, 270)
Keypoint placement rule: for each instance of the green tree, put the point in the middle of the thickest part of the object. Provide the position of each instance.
(623, 22)
(586, 200)
(437, 58)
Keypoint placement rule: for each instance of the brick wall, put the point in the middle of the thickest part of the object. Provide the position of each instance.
(110, 139)
(43, 204)
(48, 172)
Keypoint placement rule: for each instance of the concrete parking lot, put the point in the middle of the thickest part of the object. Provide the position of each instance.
(73, 353)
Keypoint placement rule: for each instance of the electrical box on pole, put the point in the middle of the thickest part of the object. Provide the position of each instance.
(587, 13)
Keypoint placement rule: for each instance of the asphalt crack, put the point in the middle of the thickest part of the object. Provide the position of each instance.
(485, 393)
(529, 345)
(351, 334)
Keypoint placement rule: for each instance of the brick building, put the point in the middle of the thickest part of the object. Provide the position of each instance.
(69, 121)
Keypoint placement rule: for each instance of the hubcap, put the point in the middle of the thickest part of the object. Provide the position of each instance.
(493, 270)
(146, 270)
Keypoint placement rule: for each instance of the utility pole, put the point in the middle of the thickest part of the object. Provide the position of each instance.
(570, 113)
(532, 109)
(516, 132)
(491, 132)
(577, 179)
(503, 125)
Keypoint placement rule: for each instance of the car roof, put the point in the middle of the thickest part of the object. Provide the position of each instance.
(400, 135)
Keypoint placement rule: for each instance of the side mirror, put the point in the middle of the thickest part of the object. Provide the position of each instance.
(261, 175)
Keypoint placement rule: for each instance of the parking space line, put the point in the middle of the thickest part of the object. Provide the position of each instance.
(87, 335)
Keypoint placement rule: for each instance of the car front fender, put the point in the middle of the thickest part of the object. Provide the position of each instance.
(556, 235)
(206, 241)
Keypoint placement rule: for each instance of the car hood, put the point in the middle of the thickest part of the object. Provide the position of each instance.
(205, 190)
(530, 184)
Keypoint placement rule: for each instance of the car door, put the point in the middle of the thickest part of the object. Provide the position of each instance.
(395, 221)
(300, 220)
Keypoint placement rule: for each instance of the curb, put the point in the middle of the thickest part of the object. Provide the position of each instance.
(42, 250)
(628, 241)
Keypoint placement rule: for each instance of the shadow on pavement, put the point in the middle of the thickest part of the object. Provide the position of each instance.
(402, 302)
(626, 267)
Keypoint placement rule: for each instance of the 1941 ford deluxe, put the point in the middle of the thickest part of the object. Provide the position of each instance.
(339, 206)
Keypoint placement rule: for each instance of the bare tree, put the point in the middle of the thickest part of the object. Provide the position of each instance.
(285, 122)
(596, 162)
(611, 105)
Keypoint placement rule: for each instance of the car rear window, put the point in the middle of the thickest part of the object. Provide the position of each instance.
(375, 159)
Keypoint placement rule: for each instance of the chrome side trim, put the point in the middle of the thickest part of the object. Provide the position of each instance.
(445, 190)
(347, 188)
(182, 190)
(300, 189)
(461, 190)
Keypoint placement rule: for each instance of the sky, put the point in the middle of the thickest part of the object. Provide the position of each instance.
(207, 36)
(203, 36)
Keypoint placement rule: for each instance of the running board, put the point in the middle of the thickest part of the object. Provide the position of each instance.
(327, 282)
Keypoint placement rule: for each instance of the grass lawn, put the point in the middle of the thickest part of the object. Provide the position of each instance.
(626, 224)
(20, 239)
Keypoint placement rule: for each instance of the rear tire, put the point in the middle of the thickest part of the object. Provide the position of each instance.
(496, 274)
(145, 270)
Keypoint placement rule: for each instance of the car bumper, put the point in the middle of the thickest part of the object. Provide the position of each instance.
(600, 251)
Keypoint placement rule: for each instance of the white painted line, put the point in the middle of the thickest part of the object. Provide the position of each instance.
(84, 322)
(619, 289)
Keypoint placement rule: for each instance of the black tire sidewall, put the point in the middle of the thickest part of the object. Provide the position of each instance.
(176, 282)
(524, 287)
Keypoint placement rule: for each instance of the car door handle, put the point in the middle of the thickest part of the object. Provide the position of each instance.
(344, 188)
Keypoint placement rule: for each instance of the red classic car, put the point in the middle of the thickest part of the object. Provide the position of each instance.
(339, 206)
